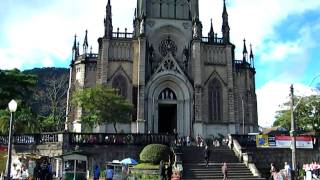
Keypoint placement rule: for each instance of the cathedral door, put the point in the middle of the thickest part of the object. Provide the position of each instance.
(167, 118)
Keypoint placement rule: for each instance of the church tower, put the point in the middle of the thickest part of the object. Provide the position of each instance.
(176, 78)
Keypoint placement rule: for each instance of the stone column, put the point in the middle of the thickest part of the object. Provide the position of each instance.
(104, 61)
(196, 71)
(231, 102)
(141, 86)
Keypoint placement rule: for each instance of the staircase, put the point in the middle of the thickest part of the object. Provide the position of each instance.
(194, 165)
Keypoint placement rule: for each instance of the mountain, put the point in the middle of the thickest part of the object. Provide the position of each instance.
(50, 95)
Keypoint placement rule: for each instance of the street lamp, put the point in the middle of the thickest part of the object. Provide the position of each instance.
(12, 108)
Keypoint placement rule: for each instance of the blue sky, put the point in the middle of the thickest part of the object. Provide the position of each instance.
(284, 34)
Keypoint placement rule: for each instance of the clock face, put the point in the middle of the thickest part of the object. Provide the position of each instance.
(166, 46)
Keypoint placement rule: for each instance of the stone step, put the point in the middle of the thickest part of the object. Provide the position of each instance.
(195, 168)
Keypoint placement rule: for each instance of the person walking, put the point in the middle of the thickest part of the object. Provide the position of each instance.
(224, 170)
(162, 171)
(206, 155)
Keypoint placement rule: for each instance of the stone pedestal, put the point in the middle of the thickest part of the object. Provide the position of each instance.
(198, 129)
(139, 126)
(76, 126)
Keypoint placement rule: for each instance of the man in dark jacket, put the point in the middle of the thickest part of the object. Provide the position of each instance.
(206, 155)
(162, 170)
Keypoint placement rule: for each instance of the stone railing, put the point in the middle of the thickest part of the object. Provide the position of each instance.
(243, 156)
(214, 40)
(119, 139)
(122, 35)
(28, 139)
(89, 139)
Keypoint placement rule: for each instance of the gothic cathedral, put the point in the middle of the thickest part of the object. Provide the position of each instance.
(176, 78)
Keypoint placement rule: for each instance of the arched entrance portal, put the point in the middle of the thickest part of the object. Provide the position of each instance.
(169, 103)
(167, 111)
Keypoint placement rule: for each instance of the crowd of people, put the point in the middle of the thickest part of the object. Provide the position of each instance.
(308, 171)
(312, 170)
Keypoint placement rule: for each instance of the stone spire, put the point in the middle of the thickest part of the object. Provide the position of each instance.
(245, 52)
(74, 48)
(251, 56)
(211, 34)
(78, 51)
(225, 24)
(85, 43)
(108, 22)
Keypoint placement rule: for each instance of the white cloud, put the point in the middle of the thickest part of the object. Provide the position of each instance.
(272, 95)
(280, 51)
(50, 30)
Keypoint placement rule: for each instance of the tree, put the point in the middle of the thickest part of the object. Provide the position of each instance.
(50, 102)
(307, 114)
(25, 121)
(15, 85)
(102, 105)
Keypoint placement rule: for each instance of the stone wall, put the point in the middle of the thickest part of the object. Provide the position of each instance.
(263, 157)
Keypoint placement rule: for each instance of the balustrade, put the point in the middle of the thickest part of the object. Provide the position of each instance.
(90, 139)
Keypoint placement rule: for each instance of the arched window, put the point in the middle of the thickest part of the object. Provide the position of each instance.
(120, 84)
(215, 100)
(167, 94)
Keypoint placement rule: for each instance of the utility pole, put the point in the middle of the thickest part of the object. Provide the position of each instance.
(292, 132)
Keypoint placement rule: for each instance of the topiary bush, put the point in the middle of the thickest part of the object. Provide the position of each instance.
(154, 153)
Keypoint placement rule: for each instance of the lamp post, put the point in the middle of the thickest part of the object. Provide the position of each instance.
(292, 132)
(12, 108)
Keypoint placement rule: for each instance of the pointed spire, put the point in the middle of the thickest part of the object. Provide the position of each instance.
(225, 24)
(251, 56)
(85, 43)
(211, 34)
(108, 22)
(78, 50)
(90, 50)
(74, 47)
(245, 52)
(224, 7)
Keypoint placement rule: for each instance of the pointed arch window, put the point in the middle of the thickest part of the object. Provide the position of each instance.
(167, 94)
(215, 100)
(120, 84)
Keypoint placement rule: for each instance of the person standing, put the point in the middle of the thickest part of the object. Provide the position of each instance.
(287, 169)
(162, 171)
(273, 172)
(96, 173)
(206, 155)
(109, 173)
(169, 170)
(224, 170)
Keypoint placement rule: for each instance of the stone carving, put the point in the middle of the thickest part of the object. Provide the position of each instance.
(185, 57)
(195, 31)
(186, 25)
(167, 46)
(150, 23)
(142, 27)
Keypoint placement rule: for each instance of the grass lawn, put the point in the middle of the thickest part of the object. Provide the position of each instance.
(3, 161)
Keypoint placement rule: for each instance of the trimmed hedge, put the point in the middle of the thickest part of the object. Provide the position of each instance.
(154, 153)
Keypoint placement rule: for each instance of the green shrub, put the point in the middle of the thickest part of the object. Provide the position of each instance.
(146, 166)
(154, 153)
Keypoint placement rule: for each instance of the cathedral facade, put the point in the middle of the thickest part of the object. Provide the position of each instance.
(176, 78)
